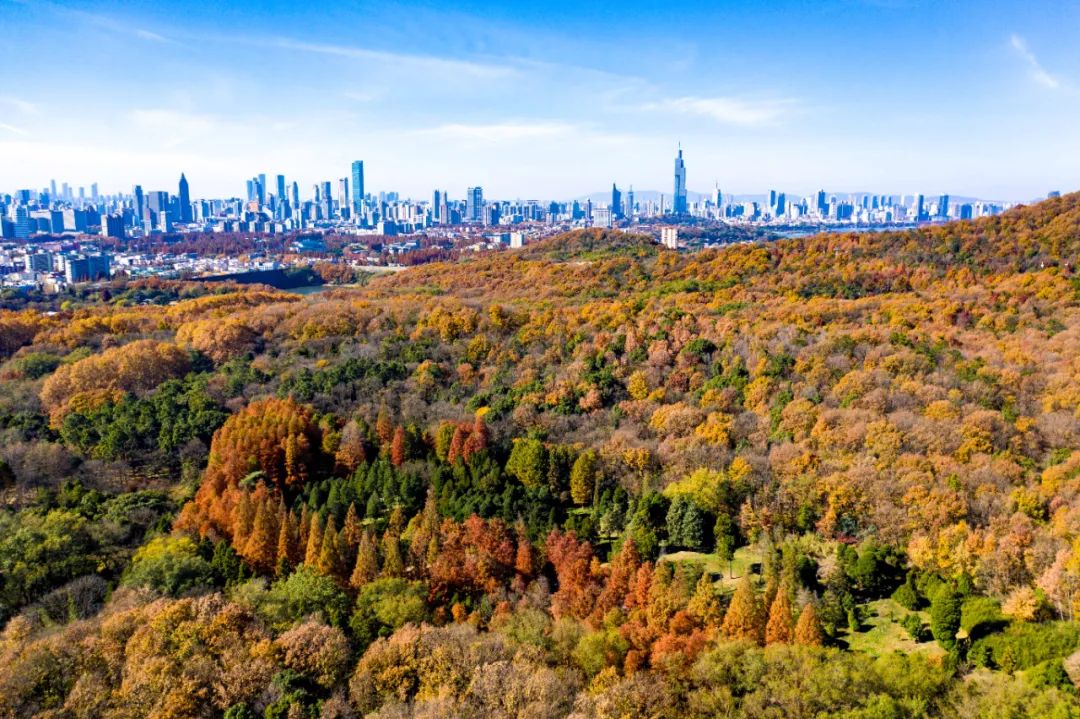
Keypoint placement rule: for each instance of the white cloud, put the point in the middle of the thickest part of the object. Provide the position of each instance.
(24, 106)
(1035, 69)
(421, 63)
(499, 132)
(173, 128)
(111, 24)
(155, 37)
(360, 96)
(12, 129)
(726, 110)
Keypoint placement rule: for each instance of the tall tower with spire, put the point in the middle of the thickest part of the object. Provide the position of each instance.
(679, 206)
(184, 199)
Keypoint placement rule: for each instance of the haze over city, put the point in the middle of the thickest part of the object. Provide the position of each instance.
(546, 101)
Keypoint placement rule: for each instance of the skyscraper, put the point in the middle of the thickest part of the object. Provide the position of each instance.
(327, 200)
(616, 202)
(184, 199)
(436, 207)
(680, 185)
(943, 206)
(343, 195)
(140, 205)
(358, 186)
(474, 204)
(281, 188)
(630, 203)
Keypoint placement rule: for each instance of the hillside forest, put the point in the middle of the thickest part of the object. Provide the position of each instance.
(834, 476)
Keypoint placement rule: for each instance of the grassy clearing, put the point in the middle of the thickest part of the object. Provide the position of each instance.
(882, 634)
(745, 560)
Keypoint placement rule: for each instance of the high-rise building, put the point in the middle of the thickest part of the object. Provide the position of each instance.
(669, 236)
(630, 202)
(358, 186)
(86, 268)
(680, 206)
(23, 225)
(474, 204)
(616, 202)
(158, 201)
(343, 195)
(75, 220)
(327, 199)
(294, 200)
(943, 206)
(436, 207)
(139, 202)
(56, 221)
(184, 200)
(112, 226)
(281, 188)
(38, 262)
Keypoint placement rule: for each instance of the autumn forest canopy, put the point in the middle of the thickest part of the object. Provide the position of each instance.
(835, 476)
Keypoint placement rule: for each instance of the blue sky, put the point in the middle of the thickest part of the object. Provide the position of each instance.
(545, 99)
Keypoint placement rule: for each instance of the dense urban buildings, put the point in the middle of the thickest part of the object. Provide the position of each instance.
(387, 225)
(280, 209)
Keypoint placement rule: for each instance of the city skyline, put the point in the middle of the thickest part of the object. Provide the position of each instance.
(679, 196)
(970, 98)
(28, 213)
